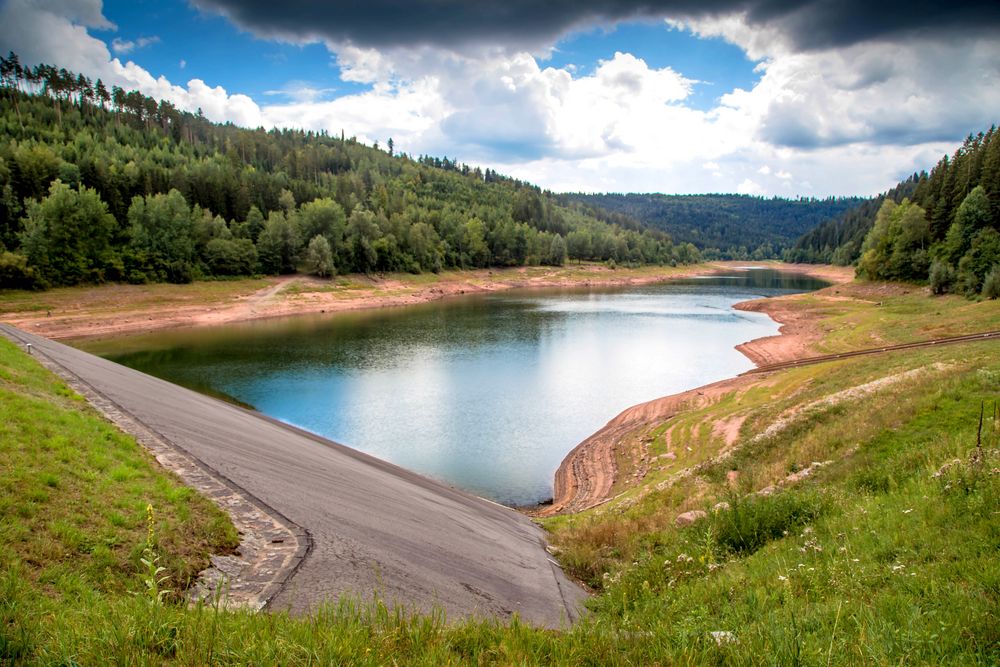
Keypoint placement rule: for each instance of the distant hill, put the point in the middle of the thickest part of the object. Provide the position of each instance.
(839, 239)
(723, 226)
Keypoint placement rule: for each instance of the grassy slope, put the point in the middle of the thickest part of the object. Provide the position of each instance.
(872, 558)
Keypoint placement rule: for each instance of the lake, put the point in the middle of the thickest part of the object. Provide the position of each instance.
(484, 392)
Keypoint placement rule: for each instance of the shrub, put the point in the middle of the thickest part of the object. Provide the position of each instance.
(15, 272)
(231, 257)
(991, 285)
(751, 522)
(942, 277)
(319, 257)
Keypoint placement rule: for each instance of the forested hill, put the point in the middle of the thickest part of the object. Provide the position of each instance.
(99, 184)
(839, 239)
(942, 227)
(724, 226)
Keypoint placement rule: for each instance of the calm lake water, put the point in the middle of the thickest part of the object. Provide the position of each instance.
(486, 392)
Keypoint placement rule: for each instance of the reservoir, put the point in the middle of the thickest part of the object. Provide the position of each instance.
(487, 393)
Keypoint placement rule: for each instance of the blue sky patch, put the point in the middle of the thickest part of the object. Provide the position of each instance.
(720, 66)
(213, 50)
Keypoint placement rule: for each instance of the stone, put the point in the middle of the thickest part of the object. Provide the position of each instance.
(687, 518)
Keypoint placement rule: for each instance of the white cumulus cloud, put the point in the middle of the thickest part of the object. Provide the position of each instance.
(123, 47)
(851, 120)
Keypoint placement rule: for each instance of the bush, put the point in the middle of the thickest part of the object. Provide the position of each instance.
(15, 272)
(228, 257)
(942, 277)
(319, 257)
(751, 522)
(991, 285)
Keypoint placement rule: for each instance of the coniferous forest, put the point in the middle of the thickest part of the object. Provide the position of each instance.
(725, 226)
(101, 184)
(942, 228)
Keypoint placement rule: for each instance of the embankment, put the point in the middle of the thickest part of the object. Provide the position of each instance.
(375, 528)
(588, 474)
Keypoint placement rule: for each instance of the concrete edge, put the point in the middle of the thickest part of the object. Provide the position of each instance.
(272, 547)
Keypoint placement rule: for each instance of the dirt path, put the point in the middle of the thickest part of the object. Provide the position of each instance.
(807, 361)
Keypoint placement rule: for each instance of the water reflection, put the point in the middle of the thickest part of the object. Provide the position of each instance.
(487, 392)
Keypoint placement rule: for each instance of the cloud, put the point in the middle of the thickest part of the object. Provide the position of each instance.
(302, 91)
(123, 47)
(878, 93)
(850, 120)
(530, 25)
(83, 12)
(56, 32)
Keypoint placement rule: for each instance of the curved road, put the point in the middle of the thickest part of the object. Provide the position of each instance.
(374, 526)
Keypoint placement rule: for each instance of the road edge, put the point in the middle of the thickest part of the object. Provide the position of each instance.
(272, 547)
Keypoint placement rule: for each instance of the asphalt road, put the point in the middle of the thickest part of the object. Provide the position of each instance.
(374, 526)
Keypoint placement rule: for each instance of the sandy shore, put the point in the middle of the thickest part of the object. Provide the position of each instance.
(116, 310)
(587, 476)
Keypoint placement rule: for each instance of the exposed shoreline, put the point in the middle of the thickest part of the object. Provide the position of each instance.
(121, 310)
(587, 475)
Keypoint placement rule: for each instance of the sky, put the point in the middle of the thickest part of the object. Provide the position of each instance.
(768, 97)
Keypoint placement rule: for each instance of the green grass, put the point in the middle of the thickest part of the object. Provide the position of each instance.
(903, 562)
(74, 491)
(885, 314)
(889, 554)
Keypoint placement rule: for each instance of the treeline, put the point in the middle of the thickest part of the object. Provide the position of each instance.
(839, 239)
(944, 229)
(724, 226)
(116, 186)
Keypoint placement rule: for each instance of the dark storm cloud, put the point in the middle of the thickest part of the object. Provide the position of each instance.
(538, 23)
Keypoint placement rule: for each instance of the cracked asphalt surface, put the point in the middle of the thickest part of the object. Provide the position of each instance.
(375, 527)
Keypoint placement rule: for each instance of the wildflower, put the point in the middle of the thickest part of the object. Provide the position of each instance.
(907, 511)
(782, 577)
(149, 525)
